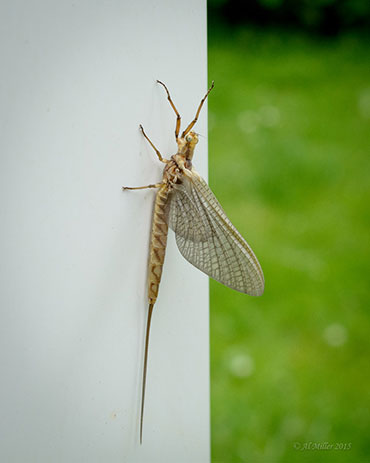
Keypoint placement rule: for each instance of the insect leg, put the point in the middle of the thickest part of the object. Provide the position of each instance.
(191, 125)
(156, 185)
(151, 144)
(178, 120)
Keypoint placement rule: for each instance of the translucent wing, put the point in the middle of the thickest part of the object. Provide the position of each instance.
(208, 240)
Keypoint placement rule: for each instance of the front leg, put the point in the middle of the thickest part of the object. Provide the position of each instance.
(178, 117)
(192, 123)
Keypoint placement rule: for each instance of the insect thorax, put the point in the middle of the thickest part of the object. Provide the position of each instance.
(172, 172)
(181, 161)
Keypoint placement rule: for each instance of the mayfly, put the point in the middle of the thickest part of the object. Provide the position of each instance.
(204, 234)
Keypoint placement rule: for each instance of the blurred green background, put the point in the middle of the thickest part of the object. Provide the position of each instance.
(289, 144)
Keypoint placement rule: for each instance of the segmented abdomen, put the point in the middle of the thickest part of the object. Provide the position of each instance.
(158, 243)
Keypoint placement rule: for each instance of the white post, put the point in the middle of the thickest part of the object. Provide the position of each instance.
(77, 79)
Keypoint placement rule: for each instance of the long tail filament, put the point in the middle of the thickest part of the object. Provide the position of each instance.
(150, 311)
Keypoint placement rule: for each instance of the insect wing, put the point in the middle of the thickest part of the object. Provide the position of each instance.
(208, 240)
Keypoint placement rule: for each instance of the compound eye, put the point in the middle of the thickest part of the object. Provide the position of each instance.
(188, 138)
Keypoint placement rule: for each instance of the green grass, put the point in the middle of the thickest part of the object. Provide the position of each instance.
(289, 143)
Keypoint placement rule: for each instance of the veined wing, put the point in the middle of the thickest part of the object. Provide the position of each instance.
(208, 240)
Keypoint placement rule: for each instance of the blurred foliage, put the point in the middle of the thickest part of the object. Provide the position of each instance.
(323, 16)
(289, 125)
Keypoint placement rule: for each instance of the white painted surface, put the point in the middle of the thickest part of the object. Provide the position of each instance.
(77, 78)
